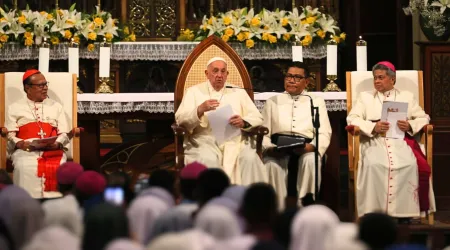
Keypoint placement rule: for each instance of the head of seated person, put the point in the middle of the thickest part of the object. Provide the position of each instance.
(66, 175)
(189, 179)
(212, 183)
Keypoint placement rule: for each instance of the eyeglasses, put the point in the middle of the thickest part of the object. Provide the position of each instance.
(41, 85)
(297, 78)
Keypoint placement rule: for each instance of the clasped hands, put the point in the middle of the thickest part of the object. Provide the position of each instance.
(382, 127)
(212, 104)
(26, 146)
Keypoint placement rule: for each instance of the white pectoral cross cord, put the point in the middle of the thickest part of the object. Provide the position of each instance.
(42, 133)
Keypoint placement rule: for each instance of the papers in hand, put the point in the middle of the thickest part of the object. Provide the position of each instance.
(219, 120)
(392, 112)
(43, 143)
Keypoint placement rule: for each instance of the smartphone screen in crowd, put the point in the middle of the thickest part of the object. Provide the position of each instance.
(114, 195)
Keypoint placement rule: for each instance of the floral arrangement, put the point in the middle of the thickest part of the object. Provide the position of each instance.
(310, 27)
(436, 13)
(32, 27)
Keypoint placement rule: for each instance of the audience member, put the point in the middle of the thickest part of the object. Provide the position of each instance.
(89, 188)
(283, 225)
(164, 179)
(218, 221)
(123, 244)
(104, 223)
(259, 209)
(310, 226)
(188, 180)
(53, 238)
(121, 180)
(22, 215)
(377, 230)
(66, 175)
(211, 183)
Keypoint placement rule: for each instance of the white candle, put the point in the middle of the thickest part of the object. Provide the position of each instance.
(332, 60)
(44, 59)
(73, 61)
(361, 58)
(297, 53)
(105, 55)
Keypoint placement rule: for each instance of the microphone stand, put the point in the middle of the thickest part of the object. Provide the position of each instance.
(316, 125)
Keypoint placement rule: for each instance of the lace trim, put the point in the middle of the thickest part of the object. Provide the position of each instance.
(167, 107)
(158, 51)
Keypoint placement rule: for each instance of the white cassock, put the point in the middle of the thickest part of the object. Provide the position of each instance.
(388, 174)
(24, 121)
(288, 114)
(237, 156)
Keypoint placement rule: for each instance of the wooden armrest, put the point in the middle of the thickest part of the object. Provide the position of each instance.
(258, 130)
(75, 132)
(178, 130)
(3, 131)
(428, 129)
(352, 129)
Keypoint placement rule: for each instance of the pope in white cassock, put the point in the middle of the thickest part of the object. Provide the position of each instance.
(36, 117)
(235, 156)
(393, 174)
(289, 113)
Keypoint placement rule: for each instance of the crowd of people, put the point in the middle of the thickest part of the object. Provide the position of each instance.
(195, 209)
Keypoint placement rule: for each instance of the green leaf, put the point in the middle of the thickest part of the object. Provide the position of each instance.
(200, 38)
(72, 7)
(6, 8)
(27, 8)
(244, 11)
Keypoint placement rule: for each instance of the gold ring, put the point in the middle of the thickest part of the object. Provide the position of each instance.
(28, 149)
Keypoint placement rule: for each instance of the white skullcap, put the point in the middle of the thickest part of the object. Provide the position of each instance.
(215, 59)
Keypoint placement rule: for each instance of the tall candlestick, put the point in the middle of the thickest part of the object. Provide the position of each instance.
(332, 66)
(44, 56)
(361, 55)
(56, 4)
(15, 4)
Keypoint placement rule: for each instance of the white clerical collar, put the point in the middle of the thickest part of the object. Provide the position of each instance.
(212, 89)
(387, 94)
(296, 96)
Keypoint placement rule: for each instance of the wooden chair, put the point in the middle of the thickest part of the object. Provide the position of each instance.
(361, 81)
(193, 72)
(62, 88)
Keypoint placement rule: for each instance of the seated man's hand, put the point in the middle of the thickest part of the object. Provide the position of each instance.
(237, 121)
(404, 125)
(24, 145)
(381, 127)
(275, 153)
(307, 149)
(207, 105)
(53, 146)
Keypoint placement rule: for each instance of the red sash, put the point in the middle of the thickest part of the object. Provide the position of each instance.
(424, 172)
(49, 162)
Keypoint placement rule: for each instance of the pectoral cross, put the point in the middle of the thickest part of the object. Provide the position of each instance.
(42, 133)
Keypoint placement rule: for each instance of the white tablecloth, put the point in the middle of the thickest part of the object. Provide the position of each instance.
(163, 102)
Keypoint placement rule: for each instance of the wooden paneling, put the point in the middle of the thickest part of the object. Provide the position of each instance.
(435, 62)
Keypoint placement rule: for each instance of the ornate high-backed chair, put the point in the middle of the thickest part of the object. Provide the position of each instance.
(62, 88)
(361, 81)
(193, 72)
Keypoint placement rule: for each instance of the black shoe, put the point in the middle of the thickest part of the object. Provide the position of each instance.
(404, 221)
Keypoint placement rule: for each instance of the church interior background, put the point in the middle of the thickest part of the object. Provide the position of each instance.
(111, 141)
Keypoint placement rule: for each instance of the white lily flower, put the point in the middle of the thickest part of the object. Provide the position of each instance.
(327, 25)
(443, 4)
(8, 18)
(61, 22)
(110, 27)
(310, 11)
(16, 29)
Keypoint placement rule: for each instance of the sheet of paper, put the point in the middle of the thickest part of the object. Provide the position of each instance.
(394, 131)
(393, 107)
(219, 122)
(42, 143)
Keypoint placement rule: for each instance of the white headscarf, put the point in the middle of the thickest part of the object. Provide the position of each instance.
(142, 213)
(187, 240)
(177, 219)
(53, 238)
(123, 244)
(64, 212)
(243, 242)
(344, 237)
(218, 221)
(311, 226)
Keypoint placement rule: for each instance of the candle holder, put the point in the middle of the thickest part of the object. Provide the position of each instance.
(332, 86)
(361, 42)
(45, 43)
(104, 87)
